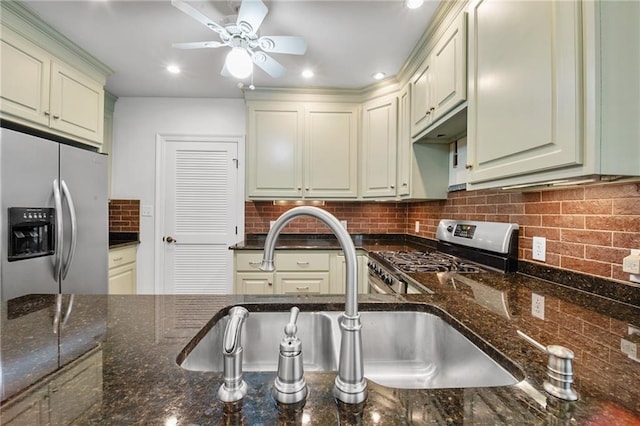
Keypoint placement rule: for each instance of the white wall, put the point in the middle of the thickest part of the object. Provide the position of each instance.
(137, 121)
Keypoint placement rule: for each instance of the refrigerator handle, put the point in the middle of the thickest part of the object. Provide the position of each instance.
(74, 229)
(57, 199)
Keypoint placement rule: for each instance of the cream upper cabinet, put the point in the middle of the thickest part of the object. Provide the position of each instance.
(25, 73)
(566, 103)
(440, 84)
(47, 82)
(421, 94)
(40, 91)
(403, 168)
(525, 88)
(274, 151)
(302, 150)
(76, 103)
(379, 147)
(422, 169)
(449, 61)
(331, 151)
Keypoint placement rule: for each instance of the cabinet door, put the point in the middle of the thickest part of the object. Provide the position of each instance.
(77, 104)
(32, 410)
(274, 160)
(24, 79)
(449, 85)
(421, 98)
(524, 88)
(379, 145)
(122, 279)
(254, 283)
(331, 151)
(404, 145)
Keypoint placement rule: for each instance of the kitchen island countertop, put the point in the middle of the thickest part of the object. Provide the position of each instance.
(141, 383)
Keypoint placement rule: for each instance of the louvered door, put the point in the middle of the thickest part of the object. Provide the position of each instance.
(201, 197)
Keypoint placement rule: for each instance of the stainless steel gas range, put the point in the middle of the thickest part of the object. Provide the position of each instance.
(467, 247)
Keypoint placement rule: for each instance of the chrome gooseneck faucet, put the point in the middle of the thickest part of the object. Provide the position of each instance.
(350, 386)
(234, 387)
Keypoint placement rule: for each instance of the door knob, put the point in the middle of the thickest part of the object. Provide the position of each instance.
(169, 239)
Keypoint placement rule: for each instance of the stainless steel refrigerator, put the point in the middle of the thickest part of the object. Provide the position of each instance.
(54, 217)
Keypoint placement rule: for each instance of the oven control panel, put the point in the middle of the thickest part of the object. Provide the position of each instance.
(490, 236)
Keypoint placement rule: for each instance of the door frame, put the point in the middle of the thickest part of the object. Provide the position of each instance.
(161, 141)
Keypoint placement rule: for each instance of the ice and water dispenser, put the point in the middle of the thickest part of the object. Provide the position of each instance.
(31, 232)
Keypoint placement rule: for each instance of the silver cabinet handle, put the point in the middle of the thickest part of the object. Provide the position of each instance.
(393, 186)
(117, 259)
(255, 263)
(469, 166)
(300, 262)
(47, 113)
(169, 239)
(303, 288)
(74, 229)
(57, 199)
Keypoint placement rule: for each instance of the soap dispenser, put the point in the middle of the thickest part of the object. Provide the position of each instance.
(290, 386)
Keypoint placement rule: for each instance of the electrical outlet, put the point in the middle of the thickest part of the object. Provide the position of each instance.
(344, 224)
(417, 226)
(537, 305)
(634, 276)
(540, 249)
(146, 210)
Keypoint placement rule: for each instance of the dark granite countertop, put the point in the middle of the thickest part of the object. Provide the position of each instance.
(123, 239)
(369, 242)
(139, 339)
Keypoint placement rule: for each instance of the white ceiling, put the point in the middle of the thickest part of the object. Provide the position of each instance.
(347, 42)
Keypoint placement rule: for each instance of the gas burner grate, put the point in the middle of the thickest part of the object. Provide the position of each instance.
(427, 261)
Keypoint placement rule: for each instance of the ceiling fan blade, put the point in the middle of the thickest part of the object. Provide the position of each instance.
(198, 45)
(268, 64)
(197, 15)
(251, 15)
(292, 45)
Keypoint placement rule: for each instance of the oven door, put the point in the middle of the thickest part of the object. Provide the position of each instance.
(377, 286)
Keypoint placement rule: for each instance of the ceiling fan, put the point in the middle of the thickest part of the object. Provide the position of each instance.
(247, 48)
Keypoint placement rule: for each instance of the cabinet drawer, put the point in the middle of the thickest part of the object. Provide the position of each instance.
(302, 261)
(122, 256)
(248, 261)
(315, 283)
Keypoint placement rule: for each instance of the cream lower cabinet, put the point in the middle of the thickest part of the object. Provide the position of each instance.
(40, 91)
(302, 150)
(122, 270)
(339, 273)
(297, 272)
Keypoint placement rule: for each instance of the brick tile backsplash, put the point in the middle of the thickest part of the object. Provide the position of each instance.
(124, 215)
(588, 229)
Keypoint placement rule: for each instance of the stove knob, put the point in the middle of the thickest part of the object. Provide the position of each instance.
(388, 280)
(449, 228)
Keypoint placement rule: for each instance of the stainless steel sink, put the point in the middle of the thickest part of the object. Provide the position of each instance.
(261, 338)
(402, 349)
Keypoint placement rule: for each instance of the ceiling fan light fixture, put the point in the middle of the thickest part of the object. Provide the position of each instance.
(239, 63)
(413, 4)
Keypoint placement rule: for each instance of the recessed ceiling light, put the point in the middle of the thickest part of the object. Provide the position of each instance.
(413, 4)
(379, 75)
(307, 73)
(173, 69)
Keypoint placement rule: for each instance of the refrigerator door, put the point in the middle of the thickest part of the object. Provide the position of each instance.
(83, 178)
(28, 168)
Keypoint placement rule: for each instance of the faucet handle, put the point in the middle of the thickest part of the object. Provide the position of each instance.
(291, 328)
